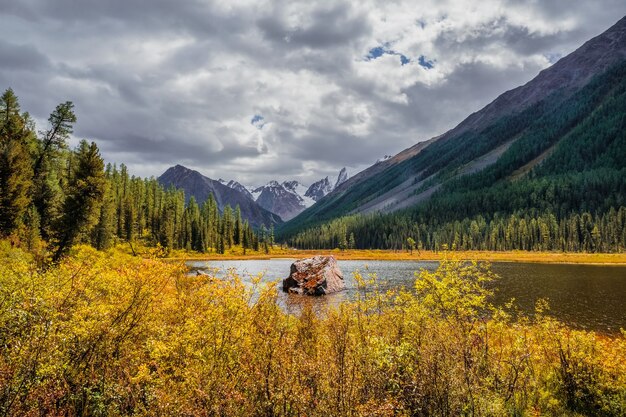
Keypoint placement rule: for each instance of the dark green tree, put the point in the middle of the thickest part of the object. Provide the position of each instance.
(15, 164)
(85, 192)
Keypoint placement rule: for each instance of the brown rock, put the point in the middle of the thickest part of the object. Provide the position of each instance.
(319, 275)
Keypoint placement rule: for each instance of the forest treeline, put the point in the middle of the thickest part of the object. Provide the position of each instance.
(52, 197)
(136, 208)
(532, 232)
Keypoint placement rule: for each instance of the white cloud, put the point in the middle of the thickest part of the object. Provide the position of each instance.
(179, 82)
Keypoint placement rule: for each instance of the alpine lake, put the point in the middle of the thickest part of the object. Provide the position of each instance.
(588, 297)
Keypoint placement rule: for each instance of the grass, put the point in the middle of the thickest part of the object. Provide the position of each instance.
(492, 256)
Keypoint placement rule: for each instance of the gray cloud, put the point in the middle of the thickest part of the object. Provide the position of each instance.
(22, 57)
(328, 28)
(179, 82)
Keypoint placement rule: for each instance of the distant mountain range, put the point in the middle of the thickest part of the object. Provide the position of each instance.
(290, 198)
(556, 144)
(200, 187)
(265, 205)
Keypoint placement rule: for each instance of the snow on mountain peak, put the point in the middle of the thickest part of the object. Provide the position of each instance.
(342, 177)
(289, 198)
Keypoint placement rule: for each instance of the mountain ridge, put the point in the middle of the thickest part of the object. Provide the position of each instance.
(492, 134)
(288, 199)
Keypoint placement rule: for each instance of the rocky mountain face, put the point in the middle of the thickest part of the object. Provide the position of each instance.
(319, 189)
(237, 186)
(290, 198)
(341, 178)
(282, 199)
(200, 187)
(323, 187)
(503, 141)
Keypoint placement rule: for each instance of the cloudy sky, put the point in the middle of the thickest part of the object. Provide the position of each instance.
(260, 90)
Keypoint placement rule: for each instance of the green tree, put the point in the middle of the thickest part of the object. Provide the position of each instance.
(61, 121)
(238, 232)
(343, 242)
(50, 152)
(86, 188)
(15, 164)
(411, 244)
(104, 231)
(351, 242)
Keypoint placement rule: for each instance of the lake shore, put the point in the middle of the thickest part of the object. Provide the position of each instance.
(492, 256)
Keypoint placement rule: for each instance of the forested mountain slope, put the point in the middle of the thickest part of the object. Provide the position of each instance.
(555, 146)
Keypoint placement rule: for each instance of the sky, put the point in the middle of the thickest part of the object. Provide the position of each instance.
(278, 90)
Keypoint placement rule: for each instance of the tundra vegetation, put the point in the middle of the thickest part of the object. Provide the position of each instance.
(106, 333)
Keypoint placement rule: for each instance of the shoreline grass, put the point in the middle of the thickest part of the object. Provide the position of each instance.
(618, 259)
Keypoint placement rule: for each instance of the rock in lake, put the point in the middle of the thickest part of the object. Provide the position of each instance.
(319, 275)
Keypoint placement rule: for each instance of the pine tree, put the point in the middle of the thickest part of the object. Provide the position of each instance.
(411, 244)
(238, 232)
(15, 164)
(351, 242)
(86, 188)
(104, 231)
(61, 121)
(228, 229)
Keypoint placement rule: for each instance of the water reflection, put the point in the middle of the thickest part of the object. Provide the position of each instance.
(589, 297)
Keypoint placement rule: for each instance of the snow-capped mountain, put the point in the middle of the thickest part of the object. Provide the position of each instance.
(237, 186)
(289, 198)
(342, 177)
(299, 189)
(324, 187)
(281, 199)
(319, 189)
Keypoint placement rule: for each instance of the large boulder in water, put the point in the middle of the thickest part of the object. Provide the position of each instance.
(319, 275)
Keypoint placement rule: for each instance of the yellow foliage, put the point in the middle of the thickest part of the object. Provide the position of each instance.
(111, 334)
(379, 254)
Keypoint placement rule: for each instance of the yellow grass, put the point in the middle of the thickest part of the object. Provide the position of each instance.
(509, 256)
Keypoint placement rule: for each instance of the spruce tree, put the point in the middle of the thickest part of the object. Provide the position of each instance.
(238, 232)
(86, 188)
(15, 164)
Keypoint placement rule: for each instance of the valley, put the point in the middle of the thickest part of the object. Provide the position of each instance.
(477, 268)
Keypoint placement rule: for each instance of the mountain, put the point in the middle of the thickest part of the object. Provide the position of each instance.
(199, 186)
(323, 187)
(289, 198)
(341, 178)
(237, 186)
(282, 199)
(319, 189)
(554, 145)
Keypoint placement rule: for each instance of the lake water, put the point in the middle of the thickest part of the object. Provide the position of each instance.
(591, 297)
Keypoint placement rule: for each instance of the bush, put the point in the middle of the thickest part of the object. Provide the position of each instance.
(110, 334)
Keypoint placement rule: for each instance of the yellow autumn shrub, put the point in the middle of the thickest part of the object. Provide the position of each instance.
(104, 333)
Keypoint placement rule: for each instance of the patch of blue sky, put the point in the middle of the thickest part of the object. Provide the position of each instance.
(428, 64)
(381, 50)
